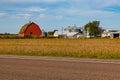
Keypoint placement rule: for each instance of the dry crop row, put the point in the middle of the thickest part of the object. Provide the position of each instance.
(87, 48)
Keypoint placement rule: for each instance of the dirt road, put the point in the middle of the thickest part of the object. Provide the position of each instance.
(49, 68)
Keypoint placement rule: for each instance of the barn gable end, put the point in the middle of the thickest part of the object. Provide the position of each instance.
(30, 29)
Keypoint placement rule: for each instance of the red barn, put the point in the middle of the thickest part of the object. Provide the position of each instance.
(30, 29)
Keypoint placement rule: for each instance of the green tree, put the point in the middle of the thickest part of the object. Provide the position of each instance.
(93, 29)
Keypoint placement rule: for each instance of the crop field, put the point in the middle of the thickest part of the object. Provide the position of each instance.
(80, 48)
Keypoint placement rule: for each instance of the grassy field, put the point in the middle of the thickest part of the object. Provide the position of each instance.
(80, 48)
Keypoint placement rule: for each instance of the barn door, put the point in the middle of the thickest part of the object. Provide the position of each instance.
(30, 33)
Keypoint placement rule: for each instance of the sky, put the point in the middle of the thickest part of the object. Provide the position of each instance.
(57, 14)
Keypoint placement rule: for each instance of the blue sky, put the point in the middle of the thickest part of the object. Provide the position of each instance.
(55, 14)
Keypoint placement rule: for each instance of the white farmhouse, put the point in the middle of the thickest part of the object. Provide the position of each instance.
(105, 34)
(69, 32)
(111, 33)
(115, 34)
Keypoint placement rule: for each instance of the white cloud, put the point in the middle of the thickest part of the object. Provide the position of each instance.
(52, 17)
(93, 3)
(30, 1)
(35, 9)
(42, 16)
(49, 1)
(87, 13)
(99, 14)
(106, 3)
(59, 17)
(23, 15)
(3, 14)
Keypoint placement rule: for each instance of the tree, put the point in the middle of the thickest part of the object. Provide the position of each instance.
(93, 29)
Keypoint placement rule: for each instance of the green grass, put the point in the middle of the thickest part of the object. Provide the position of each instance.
(78, 48)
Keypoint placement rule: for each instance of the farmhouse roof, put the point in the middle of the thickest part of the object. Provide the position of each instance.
(23, 29)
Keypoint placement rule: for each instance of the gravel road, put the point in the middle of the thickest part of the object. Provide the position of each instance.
(50, 68)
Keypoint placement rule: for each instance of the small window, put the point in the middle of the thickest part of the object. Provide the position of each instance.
(30, 33)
